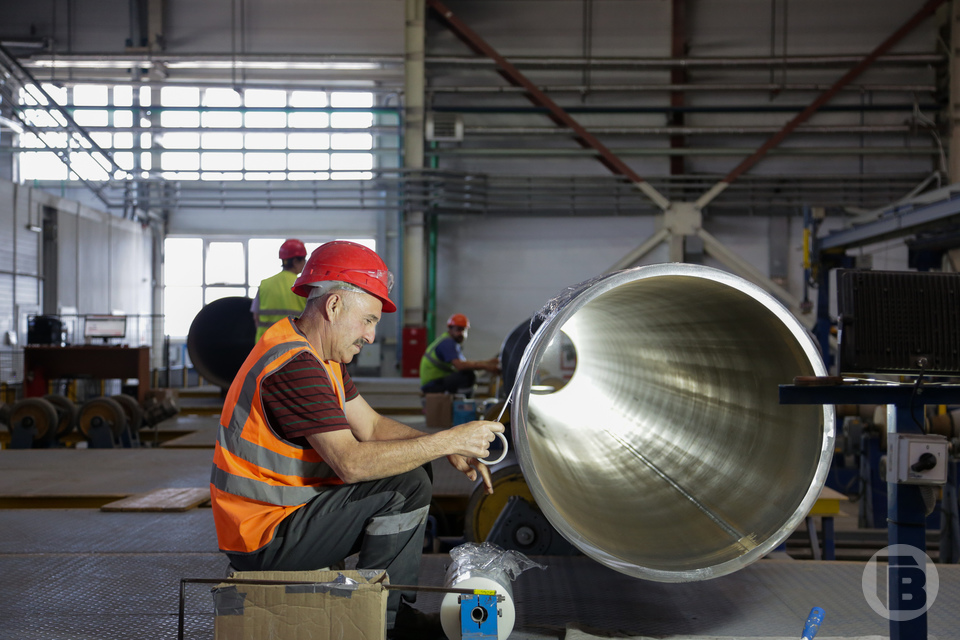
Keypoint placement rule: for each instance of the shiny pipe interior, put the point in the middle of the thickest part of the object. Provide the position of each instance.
(667, 455)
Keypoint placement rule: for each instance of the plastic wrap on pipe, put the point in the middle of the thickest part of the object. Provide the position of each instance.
(667, 456)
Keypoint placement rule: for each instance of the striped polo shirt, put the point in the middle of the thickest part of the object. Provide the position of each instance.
(298, 400)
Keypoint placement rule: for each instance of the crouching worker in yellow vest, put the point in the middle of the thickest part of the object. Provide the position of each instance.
(305, 472)
(275, 301)
(443, 367)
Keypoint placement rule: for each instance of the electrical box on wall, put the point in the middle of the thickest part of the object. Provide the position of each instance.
(916, 459)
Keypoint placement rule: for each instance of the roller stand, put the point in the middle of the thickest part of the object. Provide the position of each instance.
(33, 424)
(128, 439)
(522, 527)
(24, 435)
(100, 435)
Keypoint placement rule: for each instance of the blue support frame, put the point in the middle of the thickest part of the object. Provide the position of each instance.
(906, 514)
(906, 525)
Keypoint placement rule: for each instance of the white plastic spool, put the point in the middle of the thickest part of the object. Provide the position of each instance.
(476, 579)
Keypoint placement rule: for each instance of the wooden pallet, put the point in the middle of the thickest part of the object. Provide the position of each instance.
(161, 500)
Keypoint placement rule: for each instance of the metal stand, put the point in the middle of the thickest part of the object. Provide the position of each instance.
(906, 513)
(25, 435)
(100, 435)
(950, 524)
(128, 439)
(522, 527)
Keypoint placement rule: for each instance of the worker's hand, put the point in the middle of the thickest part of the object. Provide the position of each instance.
(470, 466)
(473, 439)
(493, 365)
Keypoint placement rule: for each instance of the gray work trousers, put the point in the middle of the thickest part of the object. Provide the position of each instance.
(382, 520)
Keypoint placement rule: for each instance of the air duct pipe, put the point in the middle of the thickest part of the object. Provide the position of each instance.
(667, 456)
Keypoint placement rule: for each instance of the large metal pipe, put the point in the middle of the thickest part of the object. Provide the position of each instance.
(667, 455)
(220, 338)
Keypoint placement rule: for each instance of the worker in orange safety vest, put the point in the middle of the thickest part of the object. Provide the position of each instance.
(305, 472)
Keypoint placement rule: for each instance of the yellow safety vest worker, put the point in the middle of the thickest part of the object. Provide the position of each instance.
(276, 300)
(259, 479)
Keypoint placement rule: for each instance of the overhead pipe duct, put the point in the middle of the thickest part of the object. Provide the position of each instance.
(667, 456)
(355, 63)
(683, 131)
(699, 63)
(626, 88)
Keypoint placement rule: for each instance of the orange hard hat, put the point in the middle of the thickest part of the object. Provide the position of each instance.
(458, 320)
(347, 262)
(292, 248)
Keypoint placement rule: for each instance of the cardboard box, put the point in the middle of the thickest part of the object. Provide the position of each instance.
(438, 409)
(319, 607)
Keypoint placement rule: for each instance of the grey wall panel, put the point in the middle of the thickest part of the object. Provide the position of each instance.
(306, 26)
(104, 262)
(28, 241)
(8, 192)
(67, 224)
(742, 27)
(554, 27)
(294, 26)
(501, 271)
(127, 277)
(28, 291)
(6, 303)
(97, 25)
(93, 267)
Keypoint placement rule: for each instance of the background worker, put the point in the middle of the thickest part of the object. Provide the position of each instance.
(443, 367)
(275, 300)
(305, 472)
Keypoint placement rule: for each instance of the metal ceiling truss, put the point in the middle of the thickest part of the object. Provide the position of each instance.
(680, 219)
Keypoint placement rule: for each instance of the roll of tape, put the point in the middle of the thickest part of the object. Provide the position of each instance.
(506, 448)
(450, 607)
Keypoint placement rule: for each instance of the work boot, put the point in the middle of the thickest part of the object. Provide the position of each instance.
(413, 624)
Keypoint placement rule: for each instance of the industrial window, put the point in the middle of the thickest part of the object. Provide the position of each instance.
(183, 284)
(197, 271)
(196, 133)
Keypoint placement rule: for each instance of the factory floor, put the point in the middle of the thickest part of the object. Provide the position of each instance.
(72, 574)
(70, 570)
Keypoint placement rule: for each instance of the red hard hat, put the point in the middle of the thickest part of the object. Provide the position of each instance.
(347, 262)
(458, 320)
(292, 248)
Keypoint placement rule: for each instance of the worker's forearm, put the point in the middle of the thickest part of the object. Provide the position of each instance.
(461, 365)
(390, 429)
(376, 459)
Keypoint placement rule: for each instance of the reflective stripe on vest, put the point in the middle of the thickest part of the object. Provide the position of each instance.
(438, 363)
